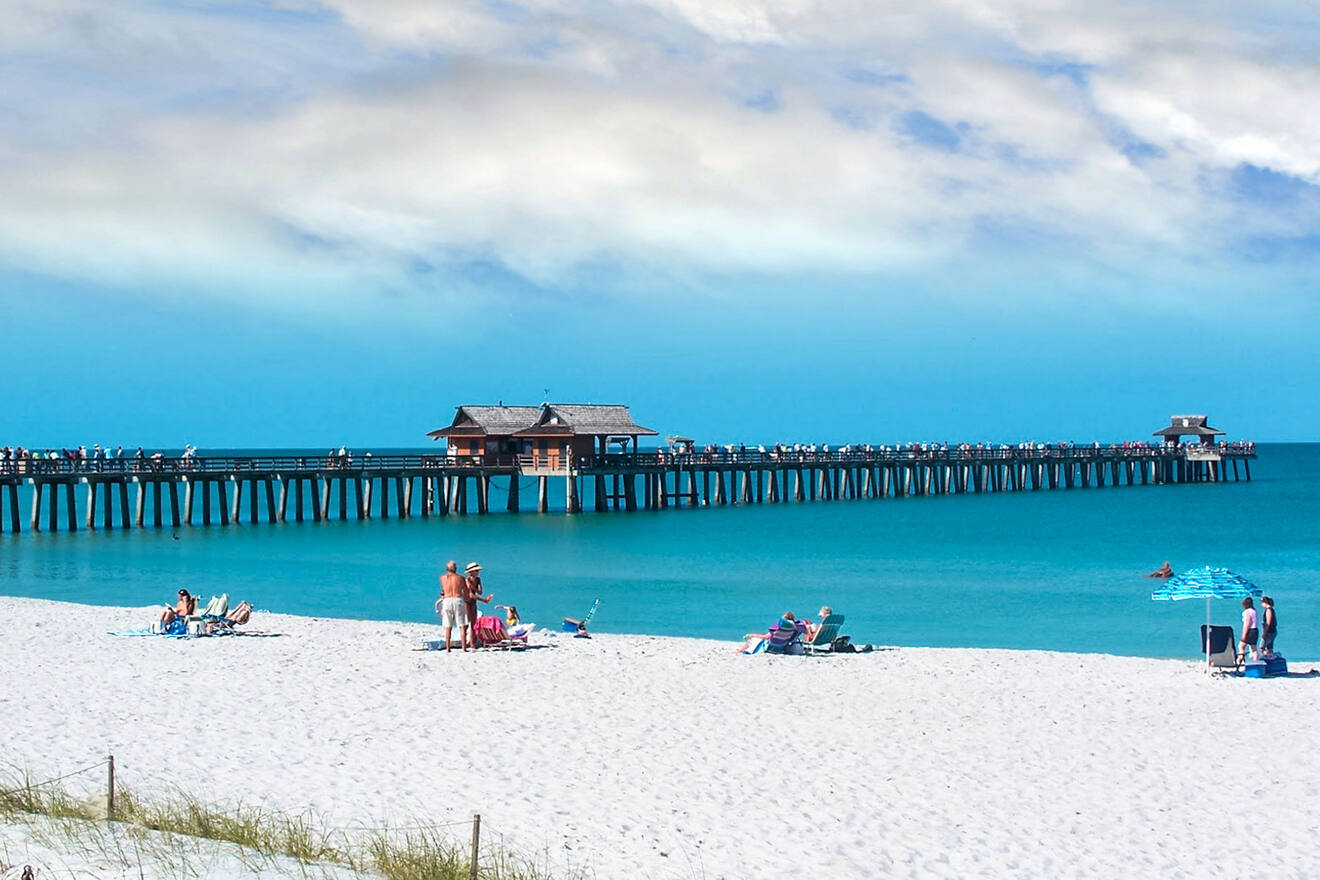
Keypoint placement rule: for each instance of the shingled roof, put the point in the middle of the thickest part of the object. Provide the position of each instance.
(539, 421)
(469, 420)
(585, 418)
(1191, 425)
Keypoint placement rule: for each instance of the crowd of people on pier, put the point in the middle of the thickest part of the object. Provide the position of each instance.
(713, 453)
(98, 459)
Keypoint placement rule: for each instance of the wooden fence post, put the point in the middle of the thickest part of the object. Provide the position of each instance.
(110, 792)
(476, 843)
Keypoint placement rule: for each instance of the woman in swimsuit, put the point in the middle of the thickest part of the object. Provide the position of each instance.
(186, 606)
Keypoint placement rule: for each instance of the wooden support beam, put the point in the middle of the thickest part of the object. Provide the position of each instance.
(91, 504)
(38, 490)
(326, 484)
(140, 510)
(71, 507)
(403, 497)
(206, 502)
(174, 504)
(236, 508)
(188, 501)
(222, 490)
(270, 500)
(543, 494)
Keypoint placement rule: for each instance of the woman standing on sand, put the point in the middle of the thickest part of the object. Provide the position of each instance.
(1250, 631)
(1271, 625)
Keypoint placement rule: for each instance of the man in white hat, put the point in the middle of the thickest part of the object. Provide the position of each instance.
(474, 595)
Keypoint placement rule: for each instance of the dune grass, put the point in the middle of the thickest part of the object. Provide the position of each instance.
(422, 852)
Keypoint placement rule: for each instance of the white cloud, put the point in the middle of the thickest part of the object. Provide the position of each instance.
(556, 137)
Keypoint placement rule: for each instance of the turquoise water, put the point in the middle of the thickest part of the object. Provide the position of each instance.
(1059, 570)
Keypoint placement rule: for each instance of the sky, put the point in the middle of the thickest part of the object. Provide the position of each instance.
(300, 223)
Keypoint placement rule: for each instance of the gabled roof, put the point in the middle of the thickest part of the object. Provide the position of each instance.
(1194, 425)
(476, 420)
(585, 418)
(546, 420)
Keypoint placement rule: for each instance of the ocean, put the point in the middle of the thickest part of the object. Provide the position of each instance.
(1058, 570)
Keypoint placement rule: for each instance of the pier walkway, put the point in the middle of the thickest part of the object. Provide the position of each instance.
(215, 490)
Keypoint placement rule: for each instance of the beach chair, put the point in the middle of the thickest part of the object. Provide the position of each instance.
(1223, 648)
(224, 625)
(823, 641)
(786, 637)
(492, 633)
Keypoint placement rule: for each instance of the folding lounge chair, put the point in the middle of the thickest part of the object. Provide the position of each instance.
(823, 641)
(491, 633)
(1223, 648)
(786, 637)
(241, 614)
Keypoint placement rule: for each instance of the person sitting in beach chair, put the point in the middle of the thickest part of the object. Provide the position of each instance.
(492, 633)
(779, 639)
(184, 608)
(824, 637)
(241, 614)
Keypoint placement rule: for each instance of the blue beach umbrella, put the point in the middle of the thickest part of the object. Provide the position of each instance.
(1206, 583)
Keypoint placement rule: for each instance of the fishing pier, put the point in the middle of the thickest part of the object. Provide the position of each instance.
(177, 492)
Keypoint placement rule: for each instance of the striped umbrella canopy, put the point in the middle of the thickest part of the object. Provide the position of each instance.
(1206, 583)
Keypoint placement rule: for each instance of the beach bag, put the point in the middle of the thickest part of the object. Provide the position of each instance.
(843, 645)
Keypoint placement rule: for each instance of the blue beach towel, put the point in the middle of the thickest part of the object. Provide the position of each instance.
(147, 632)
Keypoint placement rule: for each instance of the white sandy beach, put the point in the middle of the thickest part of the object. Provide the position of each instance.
(638, 756)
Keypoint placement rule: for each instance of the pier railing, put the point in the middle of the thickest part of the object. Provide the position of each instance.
(224, 465)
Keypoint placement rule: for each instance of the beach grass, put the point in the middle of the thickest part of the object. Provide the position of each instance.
(153, 830)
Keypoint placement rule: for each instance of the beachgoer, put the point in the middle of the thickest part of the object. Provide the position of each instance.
(1271, 621)
(752, 640)
(474, 595)
(510, 615)
(450, 605)
(185, 607)
(813, 628)
(1164, 571)
(1250, 632)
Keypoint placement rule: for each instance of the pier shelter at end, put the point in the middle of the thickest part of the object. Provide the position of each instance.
(548, 437)
(1191, 426)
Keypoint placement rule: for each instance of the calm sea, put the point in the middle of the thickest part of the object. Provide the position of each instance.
(1059, 570)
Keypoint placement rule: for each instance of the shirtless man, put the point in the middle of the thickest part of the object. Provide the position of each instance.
(450, 605)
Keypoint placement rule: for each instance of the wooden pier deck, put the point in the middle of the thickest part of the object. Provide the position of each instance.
(178, 492)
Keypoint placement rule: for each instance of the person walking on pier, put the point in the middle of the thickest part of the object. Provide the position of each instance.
(451, 606)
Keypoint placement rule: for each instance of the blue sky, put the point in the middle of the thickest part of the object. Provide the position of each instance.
(312, 223)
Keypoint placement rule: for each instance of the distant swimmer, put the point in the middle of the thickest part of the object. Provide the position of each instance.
(1164, 571)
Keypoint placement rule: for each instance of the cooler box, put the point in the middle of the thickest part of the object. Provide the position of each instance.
(1275, 665)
